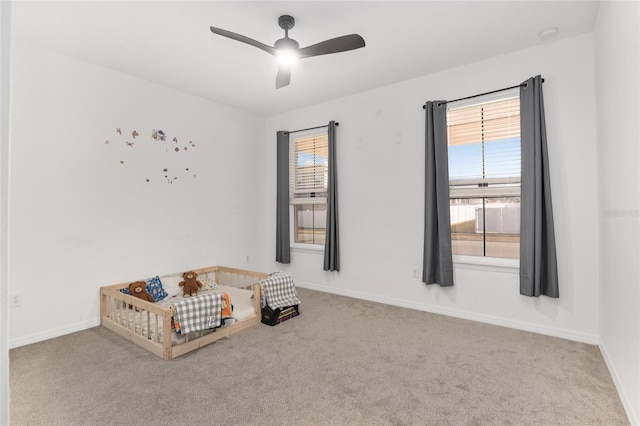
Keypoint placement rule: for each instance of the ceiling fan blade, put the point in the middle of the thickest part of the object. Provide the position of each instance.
(334, 45)
(284, 77)
(243, 39)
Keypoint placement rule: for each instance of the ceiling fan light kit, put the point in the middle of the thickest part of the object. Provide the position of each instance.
(288, 51)
(286, 58)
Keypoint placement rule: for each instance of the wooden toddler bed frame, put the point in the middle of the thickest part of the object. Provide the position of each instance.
(116, 310)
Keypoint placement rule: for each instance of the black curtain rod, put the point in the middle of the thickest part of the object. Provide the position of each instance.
(482, 94)
(309, 128)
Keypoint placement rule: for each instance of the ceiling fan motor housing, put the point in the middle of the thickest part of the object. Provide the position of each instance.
(286, 44)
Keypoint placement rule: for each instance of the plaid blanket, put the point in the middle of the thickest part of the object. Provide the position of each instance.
(279, 290)
(198, 313)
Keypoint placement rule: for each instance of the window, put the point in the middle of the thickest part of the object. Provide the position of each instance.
(484, 176)
(308, 179)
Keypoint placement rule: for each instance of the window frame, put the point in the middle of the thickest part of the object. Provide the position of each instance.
(322, 200)
(482, 189)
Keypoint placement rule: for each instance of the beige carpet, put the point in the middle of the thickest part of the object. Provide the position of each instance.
(343, 361)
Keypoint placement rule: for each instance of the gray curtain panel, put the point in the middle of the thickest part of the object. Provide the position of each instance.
(538, 264)
(331, 244)
(437, 266)
(283, 249)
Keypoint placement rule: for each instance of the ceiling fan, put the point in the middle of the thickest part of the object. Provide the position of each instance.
(287, 50)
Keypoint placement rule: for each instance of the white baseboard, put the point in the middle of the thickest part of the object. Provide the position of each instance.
(634, 420)
(487, 319)
(50, 334)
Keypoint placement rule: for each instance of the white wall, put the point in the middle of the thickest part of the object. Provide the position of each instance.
(81, 219)
(617, 59)
(381, 194)
(5, 48)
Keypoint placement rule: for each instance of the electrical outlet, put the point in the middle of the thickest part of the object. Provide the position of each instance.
(14, 300)
(247, 259)
(415, 272)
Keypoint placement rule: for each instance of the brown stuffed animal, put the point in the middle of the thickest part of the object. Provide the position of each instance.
(190, 285)
(139, 290)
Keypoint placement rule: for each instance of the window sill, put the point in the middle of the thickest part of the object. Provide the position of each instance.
(495, 264)
(308, 248)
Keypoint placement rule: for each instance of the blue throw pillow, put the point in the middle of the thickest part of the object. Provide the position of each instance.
(154, 288)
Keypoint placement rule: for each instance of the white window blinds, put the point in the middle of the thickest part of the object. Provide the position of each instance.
(484, 147)
(308, 169)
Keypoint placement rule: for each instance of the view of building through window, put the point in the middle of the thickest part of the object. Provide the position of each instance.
(310, 222)
(486, 226)
(484, 177)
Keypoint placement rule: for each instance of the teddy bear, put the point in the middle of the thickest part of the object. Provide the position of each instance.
(190, 285)
(139, 290)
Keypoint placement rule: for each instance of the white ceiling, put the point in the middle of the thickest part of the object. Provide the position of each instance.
(170, 43)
